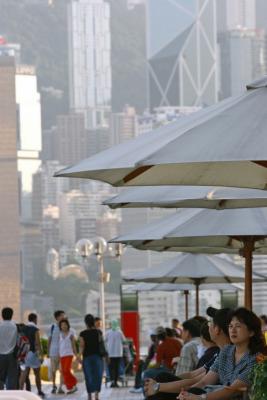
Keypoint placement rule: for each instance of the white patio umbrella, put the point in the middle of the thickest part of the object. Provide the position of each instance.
(195, 269)
(221, 145)
(241, 231)
(218, 198)
(174, 287)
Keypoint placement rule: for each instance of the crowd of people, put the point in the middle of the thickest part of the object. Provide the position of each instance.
(198, 359)
(21, 351)
(215, 360)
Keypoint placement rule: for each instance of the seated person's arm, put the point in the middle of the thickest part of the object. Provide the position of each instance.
(193, 374)
(227, 392)
(170, 387)
(211, 378)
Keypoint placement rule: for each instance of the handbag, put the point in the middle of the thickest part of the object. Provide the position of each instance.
(101, 346)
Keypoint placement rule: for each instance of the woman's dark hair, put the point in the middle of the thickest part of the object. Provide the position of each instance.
(89, 320)
(64, 321)
(205, 333)
(253, 323)
(264, 318)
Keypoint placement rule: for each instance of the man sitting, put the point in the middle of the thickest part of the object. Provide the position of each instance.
(191, 337)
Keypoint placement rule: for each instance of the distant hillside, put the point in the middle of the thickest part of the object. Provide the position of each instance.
(42, 33)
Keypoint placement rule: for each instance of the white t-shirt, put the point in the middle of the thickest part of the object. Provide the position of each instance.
(8, 337)
(114, 343)
(65, 344)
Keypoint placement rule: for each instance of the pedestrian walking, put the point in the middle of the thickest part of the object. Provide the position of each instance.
(53, 351)
(92, 350)
(8, 361)
(34, 357)
(67, 349)
(114, 342)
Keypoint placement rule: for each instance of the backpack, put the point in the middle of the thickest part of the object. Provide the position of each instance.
(22, 347)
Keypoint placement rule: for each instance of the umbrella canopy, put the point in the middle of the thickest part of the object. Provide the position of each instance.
(240, 231)
(174, 287)
(222, 145)
(188, 197)
(193, 269)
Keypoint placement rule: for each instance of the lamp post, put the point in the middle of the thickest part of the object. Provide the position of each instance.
(99, 248)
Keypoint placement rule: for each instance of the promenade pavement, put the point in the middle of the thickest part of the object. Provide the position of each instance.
(107, 393)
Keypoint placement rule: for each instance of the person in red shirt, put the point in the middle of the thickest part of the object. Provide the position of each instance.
(168, 348)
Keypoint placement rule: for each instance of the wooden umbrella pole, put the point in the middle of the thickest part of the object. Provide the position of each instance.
(248, 255)
(186, 294)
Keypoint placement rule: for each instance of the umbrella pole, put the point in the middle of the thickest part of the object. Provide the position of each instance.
(197, 298)
(186, 293)
(248, 255)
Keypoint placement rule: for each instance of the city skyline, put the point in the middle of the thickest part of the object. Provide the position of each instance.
(183, 58)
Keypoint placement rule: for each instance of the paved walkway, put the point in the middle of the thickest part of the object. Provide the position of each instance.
(106, 394)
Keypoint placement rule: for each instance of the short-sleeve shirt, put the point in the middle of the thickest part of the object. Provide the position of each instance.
(8, 337)
(167, 350)
(188, 359)
(229, 371)
(54, 346)
(91, 339)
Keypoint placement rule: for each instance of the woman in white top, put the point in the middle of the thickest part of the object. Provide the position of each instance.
(67, 349)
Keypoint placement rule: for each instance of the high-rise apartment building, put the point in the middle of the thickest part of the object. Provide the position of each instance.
(243, 59)
(29, 133)
(71, 139)
(181, 52)
(89, 59)
(9, 204)
(123, 126)
(240, 14)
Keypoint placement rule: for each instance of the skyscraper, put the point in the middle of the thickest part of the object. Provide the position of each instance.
(181, 52)
(243, 59)
(9, 212)
(89, 59)
(29, 133)
(241, 14)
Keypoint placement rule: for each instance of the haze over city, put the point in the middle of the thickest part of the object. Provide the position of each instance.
(80, 76)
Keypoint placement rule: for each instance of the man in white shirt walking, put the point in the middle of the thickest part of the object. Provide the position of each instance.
(53, 350)
(8, 361)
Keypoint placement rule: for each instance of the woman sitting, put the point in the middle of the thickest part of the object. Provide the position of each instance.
(232, 368)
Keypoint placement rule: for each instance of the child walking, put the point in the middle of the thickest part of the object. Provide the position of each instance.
(67, 349)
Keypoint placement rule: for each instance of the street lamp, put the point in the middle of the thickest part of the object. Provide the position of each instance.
(100, 248)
